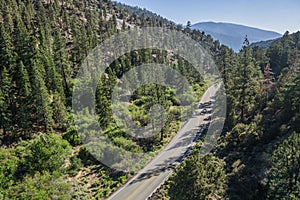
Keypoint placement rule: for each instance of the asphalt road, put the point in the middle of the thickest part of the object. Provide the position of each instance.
(141, 186)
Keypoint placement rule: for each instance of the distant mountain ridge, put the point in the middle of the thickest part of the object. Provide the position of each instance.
(233, 35)
(264, 44)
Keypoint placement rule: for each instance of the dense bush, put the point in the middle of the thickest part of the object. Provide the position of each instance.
(47, 153)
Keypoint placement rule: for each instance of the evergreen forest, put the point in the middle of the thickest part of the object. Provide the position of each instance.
(43, 43)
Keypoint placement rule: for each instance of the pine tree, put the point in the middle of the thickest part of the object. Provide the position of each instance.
(53, 78)
(246, 86)
(5, 113)
(268, 83)
(62, 62)
(23, 100)
(226, 62)
(199, 178)
(7, 70)
(81, 44)
(284, 176)
(25, 43)
(103, 104)
(7, 54)
(188, 24)
(60, 115)
(40, 99)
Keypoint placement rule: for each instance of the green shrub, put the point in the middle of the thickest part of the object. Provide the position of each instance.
(76, 164)
(41, 186)
(8, 166)
(72, 136)
(126, 144)
(86, 157)
(46, 153)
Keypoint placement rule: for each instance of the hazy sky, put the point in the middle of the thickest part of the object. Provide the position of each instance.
(275, 15)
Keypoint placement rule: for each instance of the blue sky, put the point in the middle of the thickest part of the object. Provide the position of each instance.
(275, 15)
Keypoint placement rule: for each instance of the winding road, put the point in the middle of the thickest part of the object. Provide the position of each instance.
(142, 185)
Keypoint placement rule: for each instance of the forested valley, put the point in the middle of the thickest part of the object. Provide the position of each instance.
(42, 46)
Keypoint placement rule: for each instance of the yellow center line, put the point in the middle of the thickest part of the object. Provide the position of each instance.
(138, 189)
